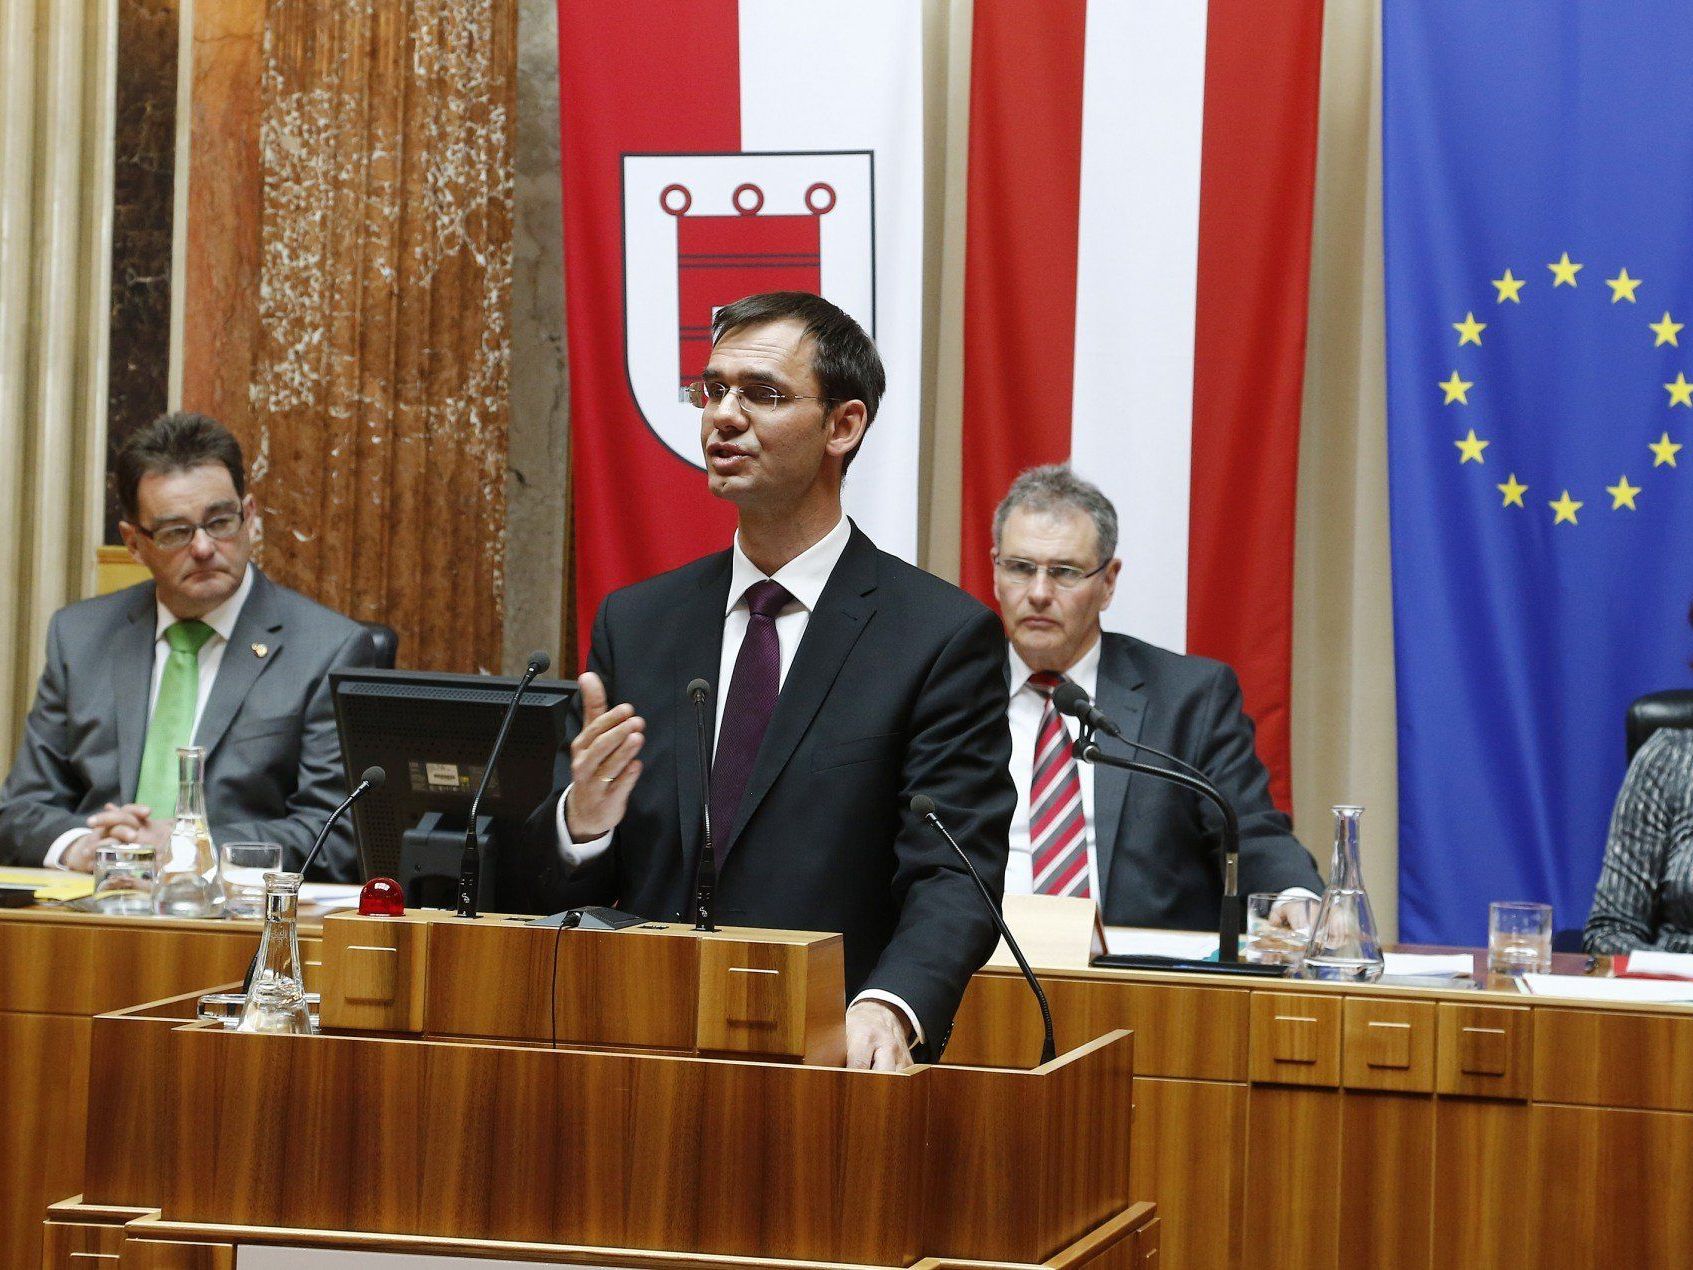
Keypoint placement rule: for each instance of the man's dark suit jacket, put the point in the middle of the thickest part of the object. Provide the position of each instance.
(273, 758)
(896, 689)
(1160, 847)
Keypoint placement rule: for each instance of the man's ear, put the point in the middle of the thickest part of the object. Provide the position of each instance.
(131, 537)
(1111, 572)
(847, 422)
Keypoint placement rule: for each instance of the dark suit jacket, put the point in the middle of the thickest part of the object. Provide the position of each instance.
(1160, 847)
(273, 759)
(895, 690)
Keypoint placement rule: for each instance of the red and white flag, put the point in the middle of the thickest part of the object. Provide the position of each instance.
(712, 149)
(1140, 193)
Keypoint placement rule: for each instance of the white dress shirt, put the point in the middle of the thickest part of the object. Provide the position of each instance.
(1024, 714)
(222, 620)
(804, 578)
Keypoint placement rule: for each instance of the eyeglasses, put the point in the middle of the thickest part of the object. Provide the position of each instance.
(176, 536)
(1064, 576)
(753, 396)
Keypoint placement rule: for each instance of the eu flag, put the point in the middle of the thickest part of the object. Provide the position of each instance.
(1538, 215)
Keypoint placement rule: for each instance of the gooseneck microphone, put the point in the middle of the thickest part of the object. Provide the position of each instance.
(470, 864)
(1072, 699)
(370, 779)
(705, 868)
(924, 806)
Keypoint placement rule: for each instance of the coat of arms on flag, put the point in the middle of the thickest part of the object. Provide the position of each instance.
(702, 230)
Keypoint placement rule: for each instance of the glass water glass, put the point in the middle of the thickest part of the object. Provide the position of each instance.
(244, 867)
(1519, 938)
(124, 874)
(1277, 929)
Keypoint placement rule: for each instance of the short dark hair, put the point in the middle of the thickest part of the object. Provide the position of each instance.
(844, 357)
(174, 443)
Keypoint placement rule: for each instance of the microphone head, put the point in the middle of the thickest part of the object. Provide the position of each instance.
(539, 662)
(373, 776)
(699, 690)
(922, 805)
(1072, 699)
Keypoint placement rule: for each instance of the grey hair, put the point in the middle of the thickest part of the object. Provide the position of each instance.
(1055, 487)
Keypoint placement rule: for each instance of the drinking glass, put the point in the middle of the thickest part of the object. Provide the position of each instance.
(1519, 938)
(124, 874)
(1277, 929)
(244, 867)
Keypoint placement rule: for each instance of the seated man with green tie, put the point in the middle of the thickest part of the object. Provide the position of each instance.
(209, 653)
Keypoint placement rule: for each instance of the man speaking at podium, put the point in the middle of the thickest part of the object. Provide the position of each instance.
(846, 681)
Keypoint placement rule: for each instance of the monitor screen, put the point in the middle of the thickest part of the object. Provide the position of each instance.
(432, 733)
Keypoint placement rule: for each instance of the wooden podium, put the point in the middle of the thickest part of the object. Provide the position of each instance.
(437, 1115)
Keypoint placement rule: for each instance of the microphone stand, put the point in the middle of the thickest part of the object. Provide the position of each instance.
(705, 868)
(470, 863)
(1232, 911)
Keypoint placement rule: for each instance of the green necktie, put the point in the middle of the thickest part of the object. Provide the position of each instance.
(172, 723)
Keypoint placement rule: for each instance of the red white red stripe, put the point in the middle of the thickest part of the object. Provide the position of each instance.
(1135, 295)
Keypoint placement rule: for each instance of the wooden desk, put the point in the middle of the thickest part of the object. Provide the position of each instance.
(58, 969)
(1318, 1125)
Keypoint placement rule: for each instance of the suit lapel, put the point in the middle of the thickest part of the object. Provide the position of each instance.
(257, 626)
(698, 652)
(1119, 695)
(132, 684)
(842, 612)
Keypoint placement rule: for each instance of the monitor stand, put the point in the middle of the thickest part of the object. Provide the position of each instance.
(430, 856)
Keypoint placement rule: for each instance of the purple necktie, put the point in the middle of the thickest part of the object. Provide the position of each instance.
(747, 708)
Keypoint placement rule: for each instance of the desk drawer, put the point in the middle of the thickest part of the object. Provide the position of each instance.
(1485, 1051)
(1389, 1045)
(1295, 1039)
(1609, 1058)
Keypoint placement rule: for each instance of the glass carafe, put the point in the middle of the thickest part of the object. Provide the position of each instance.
(1344, 946)
(190, 880)
(276, 998)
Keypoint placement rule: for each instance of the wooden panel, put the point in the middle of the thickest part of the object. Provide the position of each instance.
(1073, 1116)
(129, 1110)
(1388, 1045)
(803, 1158)
(149, 1254)
(1296, 1039)
(374, 973)
(1184, 1031)
(1293, 1178)
(79, 1246)
(1610, 1058)
(1618, 1193)
(1188, 1157)
(1485, 1051)
(1489, 1177)
(44, 1066)
(1387, 1191)
(1125, 1242)
(772, 999)
(79, 964)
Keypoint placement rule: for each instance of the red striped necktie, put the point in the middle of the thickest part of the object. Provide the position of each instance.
(1057, 828)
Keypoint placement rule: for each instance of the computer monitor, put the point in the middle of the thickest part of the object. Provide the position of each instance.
(432, 732)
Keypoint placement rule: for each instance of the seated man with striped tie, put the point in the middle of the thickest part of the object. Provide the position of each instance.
(1147, 851)
(209, 653)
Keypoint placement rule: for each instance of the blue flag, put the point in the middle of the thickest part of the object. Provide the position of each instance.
(1538, 206)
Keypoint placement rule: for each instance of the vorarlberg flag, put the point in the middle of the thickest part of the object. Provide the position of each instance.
(1538, 198)
(712, 149)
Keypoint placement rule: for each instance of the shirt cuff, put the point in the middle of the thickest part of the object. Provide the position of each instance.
(1299, 893)
(876, 994)
(61, 844)
(576, 854)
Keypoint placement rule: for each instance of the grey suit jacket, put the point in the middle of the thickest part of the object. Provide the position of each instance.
(1159, 846)
(273, 759)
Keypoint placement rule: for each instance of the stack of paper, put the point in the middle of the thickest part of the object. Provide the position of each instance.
(1648, 964)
